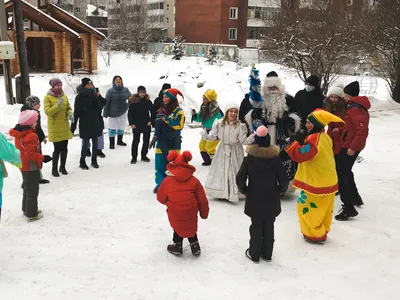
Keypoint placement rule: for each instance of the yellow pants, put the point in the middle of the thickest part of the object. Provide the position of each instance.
(315, 215)
(209, 147)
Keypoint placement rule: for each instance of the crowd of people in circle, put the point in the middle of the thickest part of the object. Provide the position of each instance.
(285, 140)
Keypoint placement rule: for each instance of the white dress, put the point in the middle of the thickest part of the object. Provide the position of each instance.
(118, 123)
(221, 179)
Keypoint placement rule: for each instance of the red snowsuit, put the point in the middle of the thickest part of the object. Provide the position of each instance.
(184, 196)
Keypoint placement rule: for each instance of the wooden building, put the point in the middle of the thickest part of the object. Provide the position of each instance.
(56, 41)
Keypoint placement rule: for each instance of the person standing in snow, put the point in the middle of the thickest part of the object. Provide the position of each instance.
(281, 123)
(262, 179)
(116, 108)
(354, 140)
(309, 99)
(313, 151)
(158, 102)
(184, 197)
(209, 112)
(87, 111)
(33, 103)
(220, 183)
(169, 123)
(27, 142)
(8, 153)
(58, 111)
(139, 116)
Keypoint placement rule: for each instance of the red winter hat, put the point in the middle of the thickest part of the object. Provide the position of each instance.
(172, 93)
(177, 159)
(179, 165)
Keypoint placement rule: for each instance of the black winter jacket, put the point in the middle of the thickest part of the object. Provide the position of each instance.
(266, 181)
(39, 130)
(87, 111)
(140, 112)
(307, 102)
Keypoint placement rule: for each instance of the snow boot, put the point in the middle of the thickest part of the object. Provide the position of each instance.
(63, 156)
(175, 249)
(94, 161)
(195, 247)
(155, 190)
(346, 213)
(255, 260)
(120, 141)
(88, 153)
(100, 154)
(38, 217)
(54, 169)
(44, 181)
(268, 259)
(133, 160)
(83, 165)
(112, 142)
(318, 242)
(206, 158)
(145, 159)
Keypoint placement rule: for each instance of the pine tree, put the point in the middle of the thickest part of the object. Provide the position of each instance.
(177, 48)
(255, 88)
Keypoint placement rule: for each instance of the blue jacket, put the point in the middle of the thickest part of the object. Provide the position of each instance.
(8, 153)
(117, 101)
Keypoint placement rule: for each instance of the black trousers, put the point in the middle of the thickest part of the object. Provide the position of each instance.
(85, 147)
(177, 239)
(30, 182)
(347, 186)
(136, 141)
(60, 146)
(261, 237)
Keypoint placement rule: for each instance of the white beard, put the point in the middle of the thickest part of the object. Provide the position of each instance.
(275, 106)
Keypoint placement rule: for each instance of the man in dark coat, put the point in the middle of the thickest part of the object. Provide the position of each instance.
(140, 115)
(309, 99)
(33, 103)
(87, 111)
(245, 107)
(159, 100)
(262, 179)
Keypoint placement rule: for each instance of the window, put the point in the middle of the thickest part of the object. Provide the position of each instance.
(233, 34)
(167, 6)
(233, 13)
(162, 5)
(167, 20)
(77, 9)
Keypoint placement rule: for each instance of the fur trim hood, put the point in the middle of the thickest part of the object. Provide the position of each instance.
(260, 152)
(273, 81)
(136, 99)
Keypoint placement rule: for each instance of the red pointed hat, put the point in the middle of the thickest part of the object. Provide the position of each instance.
(172, 93)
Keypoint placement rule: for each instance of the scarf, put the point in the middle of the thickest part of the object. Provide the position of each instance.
(51, 93)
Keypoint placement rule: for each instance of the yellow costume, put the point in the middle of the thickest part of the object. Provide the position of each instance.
(316, 178)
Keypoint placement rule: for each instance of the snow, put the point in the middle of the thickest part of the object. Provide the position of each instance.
(265, 3)
(104, 235)
(91, 8)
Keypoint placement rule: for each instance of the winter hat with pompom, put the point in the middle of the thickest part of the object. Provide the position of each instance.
(262, 138)
(28, 118)
(179, 163)
(32, 101)
(210, 95)
(336, 90)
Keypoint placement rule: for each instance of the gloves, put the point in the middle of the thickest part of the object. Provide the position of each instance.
(153, 142)
(73, 127)
(284, 156)
(301, 136)
(60, 101)
(71, 117)
(47, 158)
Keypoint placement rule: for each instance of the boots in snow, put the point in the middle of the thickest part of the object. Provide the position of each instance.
(83, 165)
(145, 159)
(54, 169)
(119, 140)
(256, 260)
(346, 213)
(311, 241)
(195, 247)
(133, 160)
(94, 162)
(88, 153)
(100, 154)
(44, 181)
(38, 217)
(112, 142)
(206, 158)
(63, 159)
(175, 248)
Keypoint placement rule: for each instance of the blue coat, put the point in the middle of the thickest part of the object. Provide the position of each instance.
(117, 101)
(8, 153)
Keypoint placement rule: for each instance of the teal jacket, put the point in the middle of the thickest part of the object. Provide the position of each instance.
(207, 124)
(8, 153)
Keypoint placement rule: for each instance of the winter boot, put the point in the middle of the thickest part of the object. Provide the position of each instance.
(175, 249)
(63, 155)
(346, 213)
(195, 247)
(112, 142)
(54, 170)
(88, 153)
(38, 217)
(83, 165)
(94, 162)
(133, 160)
(100, 154)
(256, 260)
(119, 140)
(145, 159)
(44, 181)
(206, 158)
(311, 241)
(155, 190)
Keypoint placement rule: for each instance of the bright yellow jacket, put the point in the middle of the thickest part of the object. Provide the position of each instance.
(57, 121)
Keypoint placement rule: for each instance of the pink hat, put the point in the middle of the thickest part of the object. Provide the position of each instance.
(27, 118)
(54, 81)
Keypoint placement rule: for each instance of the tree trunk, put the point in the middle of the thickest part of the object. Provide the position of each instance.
(396, 90)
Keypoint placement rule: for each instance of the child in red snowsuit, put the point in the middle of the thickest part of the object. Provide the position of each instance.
(184, 197)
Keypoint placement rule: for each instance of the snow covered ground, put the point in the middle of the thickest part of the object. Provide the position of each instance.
(104, 235)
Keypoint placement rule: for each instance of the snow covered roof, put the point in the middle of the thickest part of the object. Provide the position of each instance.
(93, 11)
(265, 3)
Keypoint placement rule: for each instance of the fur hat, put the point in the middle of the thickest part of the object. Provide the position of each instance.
(210, 95)
(230, 106)
(32, 101)
(172, 93)
(313, 80)
(320, 118)
(272, 74)
(261, 137)
(54, 81)
(141, 88)
(28, 118)
(86, 81)
(352, 89)
(335, 90)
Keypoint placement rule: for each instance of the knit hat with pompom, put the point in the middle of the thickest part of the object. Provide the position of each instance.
(179, 164)
(262, 138)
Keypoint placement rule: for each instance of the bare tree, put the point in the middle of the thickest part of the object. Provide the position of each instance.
(381, 40)
(313, 40)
